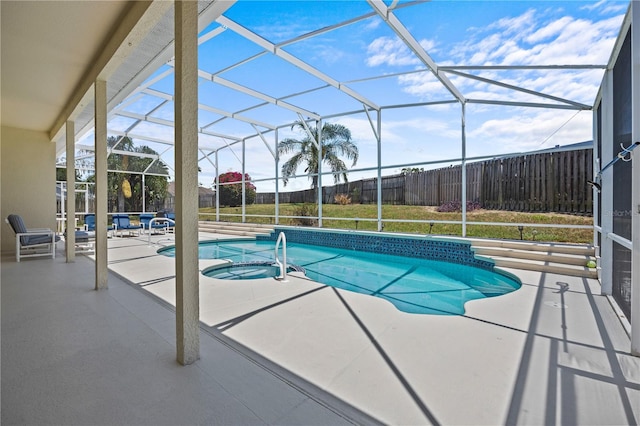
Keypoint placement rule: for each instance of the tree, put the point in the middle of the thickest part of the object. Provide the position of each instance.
(124, 190)
(61, 174)
(231, 195)
(336, 142)
(410, 170)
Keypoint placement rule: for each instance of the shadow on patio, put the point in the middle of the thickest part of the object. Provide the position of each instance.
(553, 352)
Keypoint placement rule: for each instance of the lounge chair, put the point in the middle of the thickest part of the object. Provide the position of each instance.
(90, 223)
(32, 242)
(121, 222)
(160, 226)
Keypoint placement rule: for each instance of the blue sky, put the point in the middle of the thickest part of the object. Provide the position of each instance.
(453, 33)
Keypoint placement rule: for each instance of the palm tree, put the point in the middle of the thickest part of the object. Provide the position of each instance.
(124, 190)
(336, 142)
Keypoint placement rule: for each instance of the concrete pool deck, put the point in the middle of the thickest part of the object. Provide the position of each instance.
(553, 352)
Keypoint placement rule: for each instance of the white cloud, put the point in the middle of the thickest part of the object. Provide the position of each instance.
(329, 54)
(430, 46)
(533, 38)
(426, 138)
(388, 51)
(548, 31)
(595, 5)
(424, 86)
(530, 130)
(373, 23)
(607, 6)
(394, 52)
(516, 27)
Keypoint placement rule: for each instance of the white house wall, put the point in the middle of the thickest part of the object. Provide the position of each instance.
(28, 181)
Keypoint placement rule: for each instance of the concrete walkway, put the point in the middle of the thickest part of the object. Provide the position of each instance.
(75, 356)
(553, 352)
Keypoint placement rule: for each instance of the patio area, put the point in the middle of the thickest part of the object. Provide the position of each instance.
(553, 352)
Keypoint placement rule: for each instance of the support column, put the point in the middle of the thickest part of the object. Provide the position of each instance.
(635, 181)
(244, 183)
(597, 138)
(319, 185)
(70, 239)
(379, 178)
(101, 183)
(144, 195)
(186, 161)
(217, 190)
(463, 201)
(606, 195)
(277, 200)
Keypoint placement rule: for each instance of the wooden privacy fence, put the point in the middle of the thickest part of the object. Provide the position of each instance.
(542, 182)
(555, 182)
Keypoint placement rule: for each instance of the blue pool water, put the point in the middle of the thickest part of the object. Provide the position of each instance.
(412, 285)
(247, 271)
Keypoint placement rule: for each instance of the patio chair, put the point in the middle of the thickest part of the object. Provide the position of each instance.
(32, 242)
(171, 223)
(145, 220)
(121, 222)
(85, 242)
(90, 223)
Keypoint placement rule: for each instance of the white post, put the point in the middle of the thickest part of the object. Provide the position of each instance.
(244, 199)
(101, 183)
(63, 198)
(319, 186)
(186, 160)
(596, 131)
(217, 190)
(606, 195)
(86, 198)
(463, 177)
(379, 177)
(277, 200)
(144, 204)
(70, 239)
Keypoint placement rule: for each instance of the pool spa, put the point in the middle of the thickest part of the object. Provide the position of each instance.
(421, 275)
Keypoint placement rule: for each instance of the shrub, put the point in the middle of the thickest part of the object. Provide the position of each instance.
(306, 209)
(342, 199)
(231, 195)
(456, 206)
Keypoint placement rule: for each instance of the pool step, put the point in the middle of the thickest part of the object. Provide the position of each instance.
(554, 268)
(558, 258)
(235, 228)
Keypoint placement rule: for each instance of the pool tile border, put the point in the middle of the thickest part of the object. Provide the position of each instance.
(459, 252)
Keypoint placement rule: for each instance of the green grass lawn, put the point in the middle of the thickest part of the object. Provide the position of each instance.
(357, 214)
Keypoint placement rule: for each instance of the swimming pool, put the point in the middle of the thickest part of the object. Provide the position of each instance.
(412, 285)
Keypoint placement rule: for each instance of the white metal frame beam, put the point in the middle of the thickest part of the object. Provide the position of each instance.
(279, 52)
(256, 94)
(578, 105)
